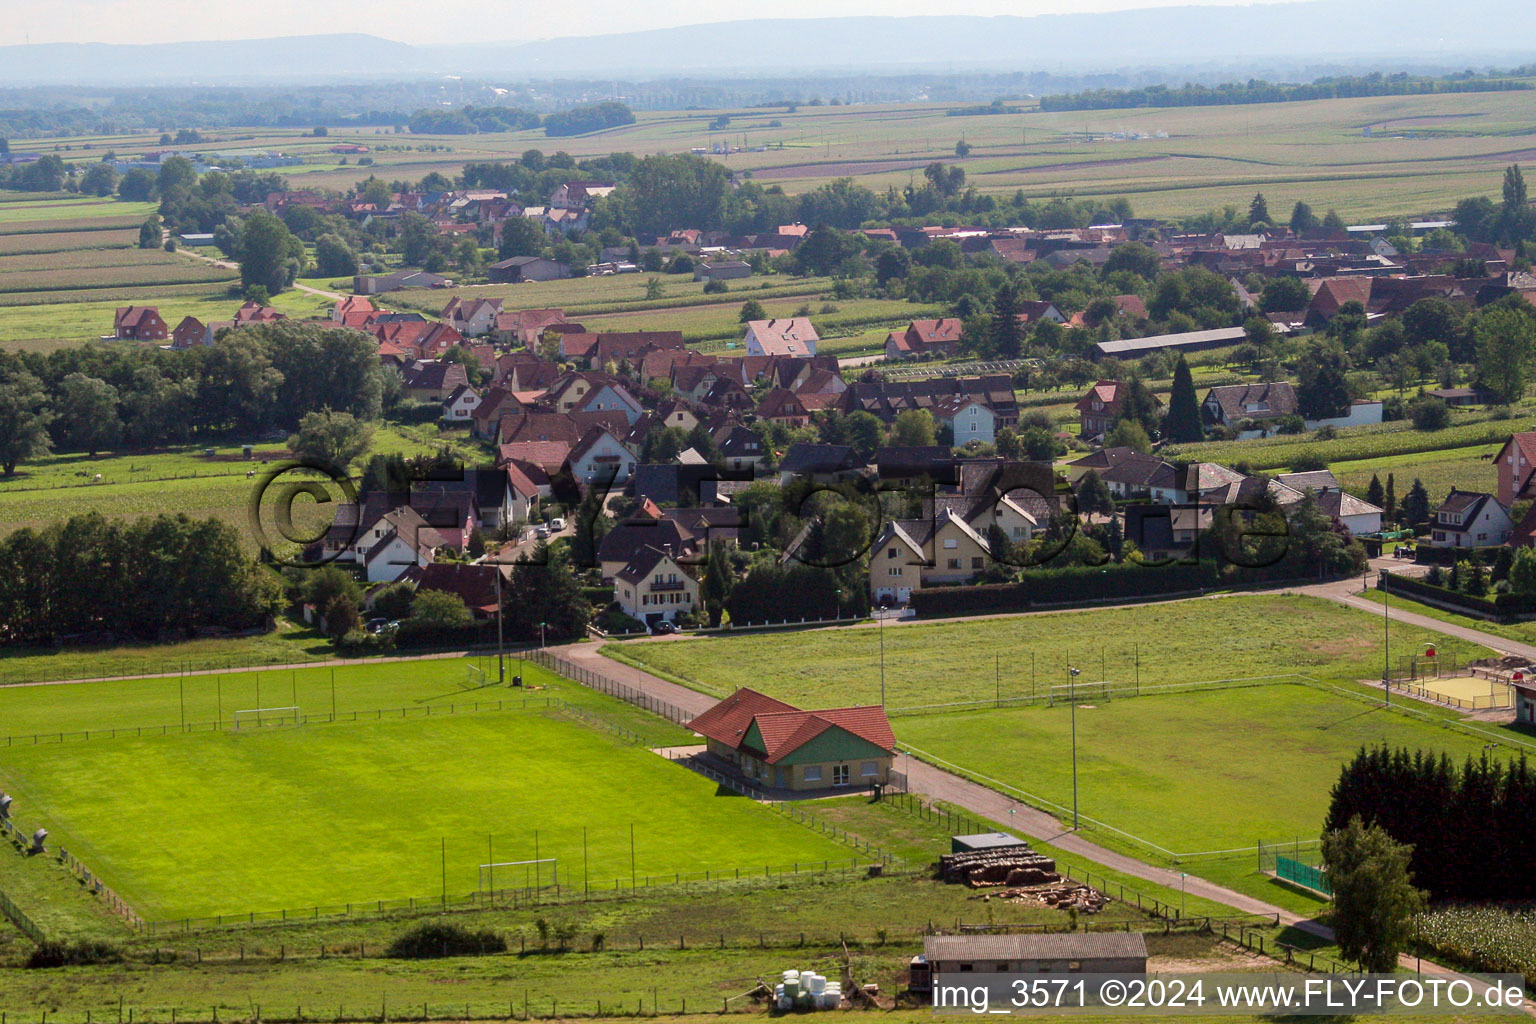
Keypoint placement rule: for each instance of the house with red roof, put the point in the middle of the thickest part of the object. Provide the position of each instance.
(931, 338)
(139, 323)
(782, 746)
(1516, 463)
(1100, 407)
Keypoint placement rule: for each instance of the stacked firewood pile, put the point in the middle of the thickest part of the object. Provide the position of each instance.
(1065, 896)
(1017, 865)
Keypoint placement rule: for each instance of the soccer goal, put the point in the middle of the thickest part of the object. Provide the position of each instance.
(508, 873)
(259, 717)
(1080, 692)
(474, 676)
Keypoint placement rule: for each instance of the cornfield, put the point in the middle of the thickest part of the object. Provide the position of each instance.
(1485, 938)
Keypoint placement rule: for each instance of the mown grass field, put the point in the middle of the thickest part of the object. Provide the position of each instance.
(1013, 656)
(181, 480)
(293, 817)
(1189, 773)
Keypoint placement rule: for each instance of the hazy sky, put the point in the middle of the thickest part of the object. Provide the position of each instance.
(449, 21)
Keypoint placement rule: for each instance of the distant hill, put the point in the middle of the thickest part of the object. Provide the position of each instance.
(1355, 32)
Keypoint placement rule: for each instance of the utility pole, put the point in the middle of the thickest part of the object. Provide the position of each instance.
(1072, 674)
(501, 668)
(880, 617)
(1386, 637)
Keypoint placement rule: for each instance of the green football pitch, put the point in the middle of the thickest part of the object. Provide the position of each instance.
(1187, 772)
(292, 817)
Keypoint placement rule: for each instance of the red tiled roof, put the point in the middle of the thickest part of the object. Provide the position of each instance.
(786, 728)
(727, 721)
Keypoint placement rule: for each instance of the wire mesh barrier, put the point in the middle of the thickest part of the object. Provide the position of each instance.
(92, 884)
(288, 719)
(589, 891)
(1061, 693)
(612, 687)
(18, 917)
(1304, 875)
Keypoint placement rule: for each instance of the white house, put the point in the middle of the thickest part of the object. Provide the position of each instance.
(460, 406)
(611, 397)
(967, 418)
(1470, 519)
(1359, 516)
(784, 336)
(599, 457)
(653, 586)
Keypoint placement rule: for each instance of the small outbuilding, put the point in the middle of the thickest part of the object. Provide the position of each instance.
(985, 841)
(946, 957)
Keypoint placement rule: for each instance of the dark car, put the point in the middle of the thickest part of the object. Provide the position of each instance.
(663, 628)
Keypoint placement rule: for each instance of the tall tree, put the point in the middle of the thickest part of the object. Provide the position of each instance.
(1093, 494)
(1323, 389)
(1389, 505)
(1007, 333)
(715, 588)
(914, 428)
(544, 591)
(1375, 494)
(1332, 222)
(1302, 219)
(271, 256)
(1182, 425)
(1138, 406)
(1374, 900)
(1258, 210)
(1515, 213)
(332, 439)
(86, 412)
(23, 422)
(1504, 339)
(1416, 504)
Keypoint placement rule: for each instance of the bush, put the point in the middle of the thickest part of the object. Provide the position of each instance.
(615, 621)
(713, 287)
(53, 953)
(432, 939)
(1429, 414)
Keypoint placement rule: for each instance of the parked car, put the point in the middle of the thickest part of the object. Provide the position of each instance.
(541, 531)
(557, 524)
(662, 628)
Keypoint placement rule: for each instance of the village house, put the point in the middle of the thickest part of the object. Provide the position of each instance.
(1516, 465)
(934, 339)
(472, 317)
(779, 745)
(459, 407)
(191, 331)
(526, 326)
(1100, 407)
(139, 323)
(433, 381)
(781, 406)
(654, 587)
(600, 457)
(785, 336)
(965, 420)
(1470, 519)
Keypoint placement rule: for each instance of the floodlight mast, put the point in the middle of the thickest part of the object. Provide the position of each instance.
(1072, 674)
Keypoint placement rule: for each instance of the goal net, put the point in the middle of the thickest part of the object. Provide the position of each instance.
(259, 717)
(1080, 692)
(519, 874)
(474, 677)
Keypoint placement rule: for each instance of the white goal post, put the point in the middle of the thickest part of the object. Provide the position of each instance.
(508, 871)
(269, 716)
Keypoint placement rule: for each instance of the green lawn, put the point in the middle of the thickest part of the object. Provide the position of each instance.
(323, 814)
(1013, 656)
(182, 479)
(1189, 773)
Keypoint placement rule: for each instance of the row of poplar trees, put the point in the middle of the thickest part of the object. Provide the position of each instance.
(1472, 829)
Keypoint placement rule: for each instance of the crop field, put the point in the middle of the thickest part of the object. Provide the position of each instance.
(1468, 468)
(1469, 429)
(844, 326)
(617, 293)
(29, 243)
(1424, 152)
(113, 276)
(1187, 773)
(284, 817)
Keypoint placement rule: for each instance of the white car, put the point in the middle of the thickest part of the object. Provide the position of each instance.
(556, 525)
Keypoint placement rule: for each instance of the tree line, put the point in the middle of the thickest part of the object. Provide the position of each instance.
(95, 579)
(1470, 827)
(252, 380)
(1259, 91)
(472, 120)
